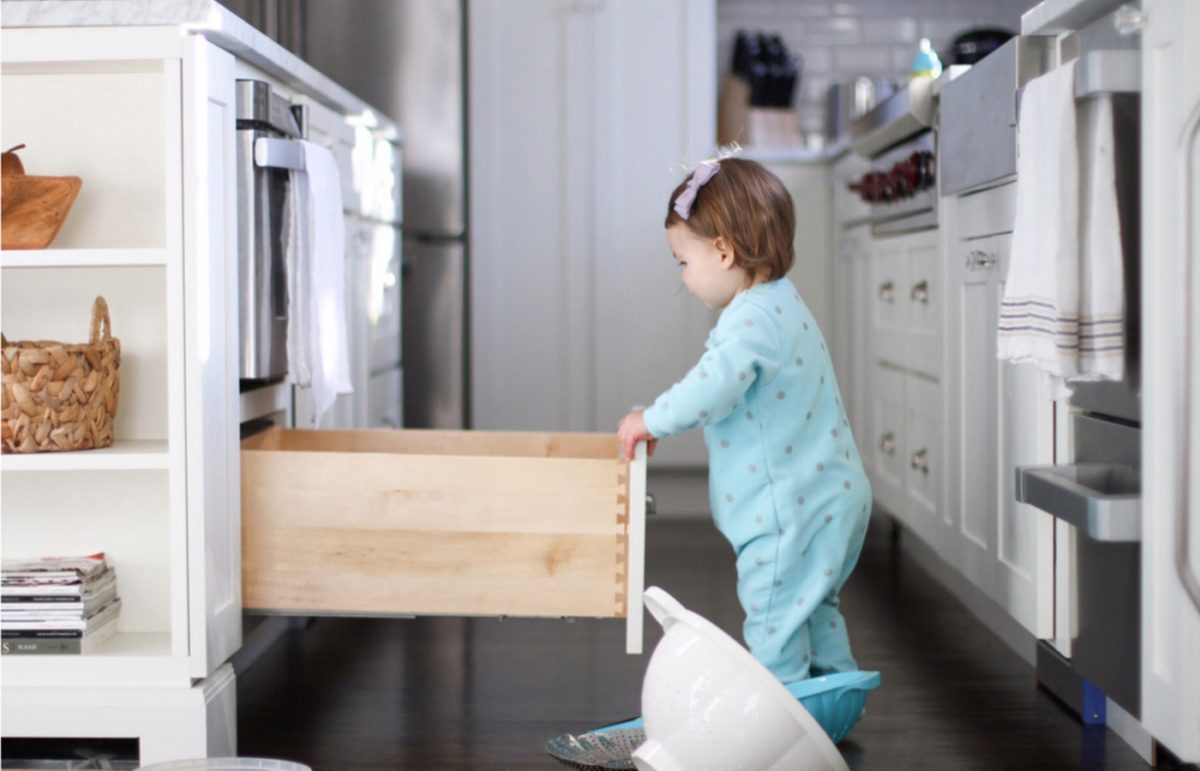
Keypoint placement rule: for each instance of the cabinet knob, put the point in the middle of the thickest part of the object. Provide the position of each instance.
(980, 260)
(920, 292)
(920, 461)
(887, 444)
(887, 292)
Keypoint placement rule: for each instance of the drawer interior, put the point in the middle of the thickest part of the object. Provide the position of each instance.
(412, 522)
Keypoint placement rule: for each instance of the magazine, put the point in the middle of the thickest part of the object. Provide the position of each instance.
(77, 568)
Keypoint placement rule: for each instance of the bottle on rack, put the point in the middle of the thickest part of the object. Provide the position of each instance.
(926, 63)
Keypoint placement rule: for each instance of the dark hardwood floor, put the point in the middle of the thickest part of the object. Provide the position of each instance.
(448, 693)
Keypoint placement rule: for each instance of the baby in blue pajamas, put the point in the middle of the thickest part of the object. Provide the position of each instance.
(786, 484)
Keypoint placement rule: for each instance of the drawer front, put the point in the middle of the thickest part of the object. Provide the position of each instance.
(987, 212)
(926, 303)
(887, 301)
(923, 461)
(436, 522)
(885, 436)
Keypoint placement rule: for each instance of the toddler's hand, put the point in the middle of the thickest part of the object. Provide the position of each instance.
(632, 430)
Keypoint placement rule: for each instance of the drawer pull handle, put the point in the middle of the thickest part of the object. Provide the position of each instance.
(887, 445)
(920, 292)
(980, 260)
(887, 292)
(920, 461)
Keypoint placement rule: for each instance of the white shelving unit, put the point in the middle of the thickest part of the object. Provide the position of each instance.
(81, 258)
(153, 232)
(124, 455)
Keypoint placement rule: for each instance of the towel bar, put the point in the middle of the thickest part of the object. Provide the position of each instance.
(279, 153)
(1099, 73)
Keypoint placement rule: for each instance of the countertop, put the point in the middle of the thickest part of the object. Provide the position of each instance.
(1050, 17)
(221, 26)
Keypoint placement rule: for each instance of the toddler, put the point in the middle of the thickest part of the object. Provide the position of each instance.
(786, 483)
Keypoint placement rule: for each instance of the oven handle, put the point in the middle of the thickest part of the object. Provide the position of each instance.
(272, 153)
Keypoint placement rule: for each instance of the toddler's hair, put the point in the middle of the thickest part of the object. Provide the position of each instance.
(750, 208)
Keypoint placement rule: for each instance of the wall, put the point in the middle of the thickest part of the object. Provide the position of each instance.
(841, 40)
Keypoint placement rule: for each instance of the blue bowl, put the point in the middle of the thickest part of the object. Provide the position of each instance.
(836, 701)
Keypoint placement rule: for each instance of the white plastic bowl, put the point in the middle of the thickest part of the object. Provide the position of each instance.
(709, 705)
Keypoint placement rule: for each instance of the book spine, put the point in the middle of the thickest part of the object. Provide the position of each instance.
(18, 646)
(40, 634)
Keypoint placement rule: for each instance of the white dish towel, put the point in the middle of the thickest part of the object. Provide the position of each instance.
(1064, 301)
(315, 245)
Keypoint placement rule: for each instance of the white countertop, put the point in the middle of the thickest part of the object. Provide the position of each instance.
(1051, 17)
(204, 17)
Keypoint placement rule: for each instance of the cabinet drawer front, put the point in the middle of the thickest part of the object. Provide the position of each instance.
(434, 522)
(923, 459)
(887, 301)
(885, 436)
(925, 307)
(987, 212)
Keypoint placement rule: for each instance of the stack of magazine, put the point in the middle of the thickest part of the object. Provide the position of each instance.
(57, 605)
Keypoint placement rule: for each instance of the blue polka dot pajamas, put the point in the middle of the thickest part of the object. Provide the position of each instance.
(786, 483)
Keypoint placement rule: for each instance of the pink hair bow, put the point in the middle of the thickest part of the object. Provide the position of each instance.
(705, 171)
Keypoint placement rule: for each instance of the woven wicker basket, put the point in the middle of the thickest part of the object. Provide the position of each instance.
(61, 397)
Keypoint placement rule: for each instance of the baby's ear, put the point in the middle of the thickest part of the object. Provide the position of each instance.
(725, 248)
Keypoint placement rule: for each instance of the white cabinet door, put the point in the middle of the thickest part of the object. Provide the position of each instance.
(922, 460)
(884, 442)
(996, 421)
(1171, 371)
(849, 329)
(887, 303)
(580, 116)
(214, 544)
(925, 303)
(971, 400)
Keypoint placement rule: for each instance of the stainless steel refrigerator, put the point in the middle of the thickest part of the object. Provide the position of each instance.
(407, 58)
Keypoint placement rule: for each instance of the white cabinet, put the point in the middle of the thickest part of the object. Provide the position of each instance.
(580, 116)
(900, 292)
(906, 314)
(153, 231)
(1171, 370)
(995, 421)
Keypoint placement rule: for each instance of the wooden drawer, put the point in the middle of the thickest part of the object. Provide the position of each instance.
(443, 522)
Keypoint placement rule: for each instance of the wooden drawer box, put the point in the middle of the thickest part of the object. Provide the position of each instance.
(443, 522)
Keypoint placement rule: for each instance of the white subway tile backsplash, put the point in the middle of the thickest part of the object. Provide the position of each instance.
(836, 31)
(816, 60)
(897, 30)
(863, 59)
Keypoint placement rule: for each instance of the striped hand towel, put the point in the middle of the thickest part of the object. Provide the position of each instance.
(1064, 301)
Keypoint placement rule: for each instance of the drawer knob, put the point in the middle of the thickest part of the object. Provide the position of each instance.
(887, 445)
(920, 292)
(980, 260)
(887, 292)
(920, 461)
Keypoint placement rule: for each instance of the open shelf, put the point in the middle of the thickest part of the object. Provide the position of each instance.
(136, 455)
(140, 659)
(81, 258)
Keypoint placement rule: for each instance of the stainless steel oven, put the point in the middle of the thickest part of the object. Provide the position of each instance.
(265, 121)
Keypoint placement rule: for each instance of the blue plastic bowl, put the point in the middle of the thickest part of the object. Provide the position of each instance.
(836, 701)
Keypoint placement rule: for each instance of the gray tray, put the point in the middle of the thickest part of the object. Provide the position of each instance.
(1103, 500)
